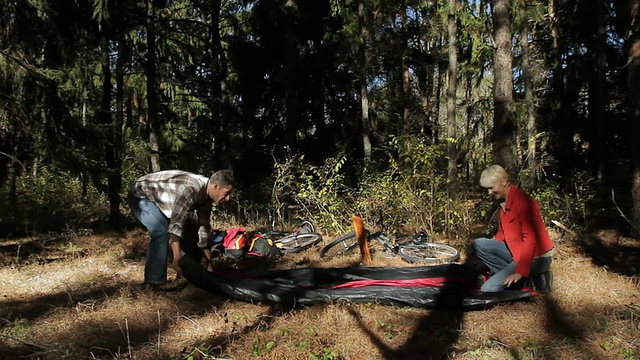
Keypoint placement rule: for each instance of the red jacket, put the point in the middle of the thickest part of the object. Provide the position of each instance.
(523, 230)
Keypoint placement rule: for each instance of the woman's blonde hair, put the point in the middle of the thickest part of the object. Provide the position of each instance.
(492, 175)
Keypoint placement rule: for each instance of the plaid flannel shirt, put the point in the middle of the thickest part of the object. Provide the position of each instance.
(176, 193)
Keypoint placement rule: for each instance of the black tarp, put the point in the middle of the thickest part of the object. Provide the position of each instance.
(450, 286)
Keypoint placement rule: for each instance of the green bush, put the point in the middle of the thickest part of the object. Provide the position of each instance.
(412, 193)
(54, 200)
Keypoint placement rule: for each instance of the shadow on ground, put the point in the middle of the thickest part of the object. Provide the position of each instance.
(621, 255)
(435, 332)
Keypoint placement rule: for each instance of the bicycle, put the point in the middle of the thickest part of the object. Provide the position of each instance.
(417, 249)
(293, 242)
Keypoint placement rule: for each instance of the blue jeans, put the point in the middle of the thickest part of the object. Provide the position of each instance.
(155, 269)
(496, 256)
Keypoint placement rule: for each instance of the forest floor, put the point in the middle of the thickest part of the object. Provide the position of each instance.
(79, 297)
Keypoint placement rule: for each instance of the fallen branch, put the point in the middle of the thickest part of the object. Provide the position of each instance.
(613, 198)
(563, 227)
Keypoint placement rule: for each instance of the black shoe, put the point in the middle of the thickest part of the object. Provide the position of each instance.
(152, 288)
(544, 282)
(171, 286)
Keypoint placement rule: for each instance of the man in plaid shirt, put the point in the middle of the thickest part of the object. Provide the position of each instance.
(163, 201)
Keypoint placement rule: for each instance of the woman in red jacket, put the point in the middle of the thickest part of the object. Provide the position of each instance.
(521, 248)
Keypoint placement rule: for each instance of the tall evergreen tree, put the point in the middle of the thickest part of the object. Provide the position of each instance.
(452, 74)
(504, 128)
(633, 83)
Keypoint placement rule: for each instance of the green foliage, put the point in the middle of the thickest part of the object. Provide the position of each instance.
(415, 192)
(200, 352)
(566, 206)
(328, 354)
(387, 327)
(317, 192)
(412, 193)
(18, 329)
(258, 349)
(53, 200)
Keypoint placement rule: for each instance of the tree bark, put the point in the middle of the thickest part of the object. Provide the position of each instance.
(152, 92)
(528, 97)
(113, 187)
(406, 78)
(634, 111)
(219, 105)
(562, 144)
(364, 98)
(601, 92)
(504, 129)
(452, 74)
(115, 170)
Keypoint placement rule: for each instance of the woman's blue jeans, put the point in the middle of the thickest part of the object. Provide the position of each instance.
(496, 256)
(155, 269)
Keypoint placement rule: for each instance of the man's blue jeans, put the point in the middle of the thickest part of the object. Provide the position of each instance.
(497, 257)
(155, 269)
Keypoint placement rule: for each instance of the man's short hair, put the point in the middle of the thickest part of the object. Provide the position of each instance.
(493, 174)
(223, 178)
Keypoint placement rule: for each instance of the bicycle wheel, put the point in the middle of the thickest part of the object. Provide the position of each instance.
(339, 245)
(294, 243)
(429, 253)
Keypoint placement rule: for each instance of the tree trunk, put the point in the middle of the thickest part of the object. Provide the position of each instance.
(113, 186)
(152, 94)
(452, 74)
(12, 179)
(289, 73)
(364, 98)
(601, 92)
(562, 144)
(406, 78)
(406, 95)
(504, 128)
(528, 96)
(438, 101)
(115, 170)
(219, 105)
(634, 111)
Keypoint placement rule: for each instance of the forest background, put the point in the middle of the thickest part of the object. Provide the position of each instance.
(322, 109)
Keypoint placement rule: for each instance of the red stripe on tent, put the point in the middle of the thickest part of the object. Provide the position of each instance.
(436, 282)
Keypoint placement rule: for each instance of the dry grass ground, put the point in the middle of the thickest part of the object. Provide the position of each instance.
(79, 298)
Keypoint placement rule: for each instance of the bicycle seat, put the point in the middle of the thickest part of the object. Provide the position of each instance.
(307, 227)
(420, 237)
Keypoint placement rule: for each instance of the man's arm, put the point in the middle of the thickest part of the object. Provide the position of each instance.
(174, 242)
(181, 208)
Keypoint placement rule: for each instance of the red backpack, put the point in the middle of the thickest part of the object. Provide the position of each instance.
(235, 242)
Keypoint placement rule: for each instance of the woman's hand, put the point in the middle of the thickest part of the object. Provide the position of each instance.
(511, 279)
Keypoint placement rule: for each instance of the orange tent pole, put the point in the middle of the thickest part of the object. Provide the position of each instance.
(361, 236)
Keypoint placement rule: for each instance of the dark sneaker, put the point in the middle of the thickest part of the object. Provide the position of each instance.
(171, 286)
(544, 283)
(152, 288)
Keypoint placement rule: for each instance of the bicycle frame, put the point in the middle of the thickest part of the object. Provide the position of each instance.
(416, 251)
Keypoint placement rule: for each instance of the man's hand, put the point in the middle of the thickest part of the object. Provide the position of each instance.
(176, 266)
(174, 242)
(207, 261)
(511, 279)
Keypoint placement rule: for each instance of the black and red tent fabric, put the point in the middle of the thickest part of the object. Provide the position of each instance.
(449, 286)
